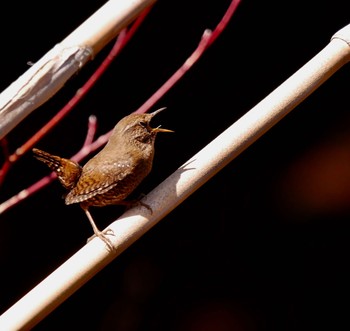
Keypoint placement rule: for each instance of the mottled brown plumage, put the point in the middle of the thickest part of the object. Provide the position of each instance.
(112, 174)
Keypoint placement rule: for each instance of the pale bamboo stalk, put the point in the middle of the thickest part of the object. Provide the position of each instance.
(47, 76)
(83, 265)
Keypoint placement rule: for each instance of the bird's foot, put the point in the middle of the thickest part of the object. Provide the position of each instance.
(102, 236)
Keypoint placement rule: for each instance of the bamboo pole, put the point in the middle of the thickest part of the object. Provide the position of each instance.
(90, 259)
(47, 76)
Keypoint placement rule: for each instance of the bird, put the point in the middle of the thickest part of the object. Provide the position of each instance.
(112, 174)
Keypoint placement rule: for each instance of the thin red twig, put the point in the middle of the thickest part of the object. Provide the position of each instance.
(92, 126)
(208, 38)
(7, 164)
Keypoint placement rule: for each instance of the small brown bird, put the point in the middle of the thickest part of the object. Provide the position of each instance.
(112, 174)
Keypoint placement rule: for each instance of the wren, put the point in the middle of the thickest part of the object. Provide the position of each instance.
(111, 175)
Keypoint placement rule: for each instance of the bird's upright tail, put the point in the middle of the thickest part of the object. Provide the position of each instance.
(68, 171)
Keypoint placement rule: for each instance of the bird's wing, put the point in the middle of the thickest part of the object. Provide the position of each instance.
(99, 180)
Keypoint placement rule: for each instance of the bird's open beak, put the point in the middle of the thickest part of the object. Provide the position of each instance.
(157, 111)
(159, 129)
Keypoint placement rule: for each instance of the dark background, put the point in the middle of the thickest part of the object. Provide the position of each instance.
(264, 244)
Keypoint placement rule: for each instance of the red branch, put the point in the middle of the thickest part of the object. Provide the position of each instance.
(207, 39)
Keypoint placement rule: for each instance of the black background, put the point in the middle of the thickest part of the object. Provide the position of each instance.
(264, 244)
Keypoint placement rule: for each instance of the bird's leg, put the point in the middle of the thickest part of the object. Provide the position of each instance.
(98, 233)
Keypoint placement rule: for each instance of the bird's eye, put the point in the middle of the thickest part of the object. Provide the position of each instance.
(143, 124)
